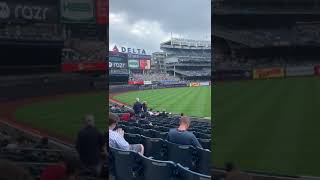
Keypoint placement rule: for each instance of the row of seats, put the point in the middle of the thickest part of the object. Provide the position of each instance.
(136, 128)
(134, 135)
(197, 159)
(129, 165)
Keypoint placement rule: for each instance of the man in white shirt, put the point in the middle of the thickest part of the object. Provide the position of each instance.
(116, 137)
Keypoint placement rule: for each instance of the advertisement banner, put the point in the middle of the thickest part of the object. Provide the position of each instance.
(231, 74)
(300, 71)
(147, 82)
(117, 60)
(266, 73)
(77, 67)
(136, 82)
(204, 83)
(317, 70)
(102, 11)
(145, 64)
(29, 11)
(77, 11)
(194, 84)
(133, 64)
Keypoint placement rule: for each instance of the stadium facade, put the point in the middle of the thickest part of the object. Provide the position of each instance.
(265, 39)
(188, 59)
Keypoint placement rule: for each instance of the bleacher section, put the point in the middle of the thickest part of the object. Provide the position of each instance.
(31, 155)
(165, 159)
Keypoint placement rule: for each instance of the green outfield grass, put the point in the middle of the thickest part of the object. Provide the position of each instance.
(268, 125)
(192, 101)
(64, 116)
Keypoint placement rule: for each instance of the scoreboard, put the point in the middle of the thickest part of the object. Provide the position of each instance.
(118, 63)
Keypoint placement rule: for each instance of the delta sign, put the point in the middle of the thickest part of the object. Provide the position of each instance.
(129, 50)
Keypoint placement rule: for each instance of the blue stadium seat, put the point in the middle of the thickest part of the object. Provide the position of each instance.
(183, 154)
(132, 138)
(133, 130)
(158, 170)
(204, 163)
(186, 174)
(153, 147)
(205, 143)
(127, 164)
(159, 134)
(147, 133)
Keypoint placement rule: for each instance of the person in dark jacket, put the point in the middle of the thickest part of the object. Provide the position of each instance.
(90, 145)
(137, 107)
(181, 135)
(145, 107)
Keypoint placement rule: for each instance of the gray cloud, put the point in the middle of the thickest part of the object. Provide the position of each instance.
(147, 22)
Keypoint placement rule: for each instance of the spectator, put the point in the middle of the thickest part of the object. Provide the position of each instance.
(144, 120)
(90, 144)
(9, 171)
(67, 169)
(234, 173)
(137, 107)
(145, 107)
(116, 137)
(182, 136)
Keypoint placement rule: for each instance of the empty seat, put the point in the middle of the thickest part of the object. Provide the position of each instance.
(186, 174)
(132, 138)
(204, 163)
(157, 170)
(147, 132)
(133, 130)
(127, 164)
(183, 154)
(205, 143)
(153, 147)
(159, 134)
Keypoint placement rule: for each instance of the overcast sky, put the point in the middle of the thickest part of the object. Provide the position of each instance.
(145, 24)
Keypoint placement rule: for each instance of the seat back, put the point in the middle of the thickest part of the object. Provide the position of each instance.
(132, 138)
(183, 154)
(205, 143)
(186, 174)
(157, 170)
(127, 164)
(204, 163)
(153, 147)
(159, 134)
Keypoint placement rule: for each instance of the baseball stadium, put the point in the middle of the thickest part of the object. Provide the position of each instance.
(266, 79)
(53, 89)
(171, 84)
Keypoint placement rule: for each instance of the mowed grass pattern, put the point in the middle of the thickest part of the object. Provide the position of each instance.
(65, 116)
(268, 125)
(192, 101)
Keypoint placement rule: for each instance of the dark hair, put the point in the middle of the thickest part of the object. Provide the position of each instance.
(229, 166)
(113, 119)
(143, 116)
(182, 114)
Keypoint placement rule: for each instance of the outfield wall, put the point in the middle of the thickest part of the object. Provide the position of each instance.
(266, 73)
(19, 88)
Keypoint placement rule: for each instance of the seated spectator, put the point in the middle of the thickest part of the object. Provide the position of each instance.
(10, 171)
(145, 107)
(125, 117)
(90, 145)
(137, 107)
(144, 120)
(67, 169)
(234, 173)
(181, 135)
(116, 137)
